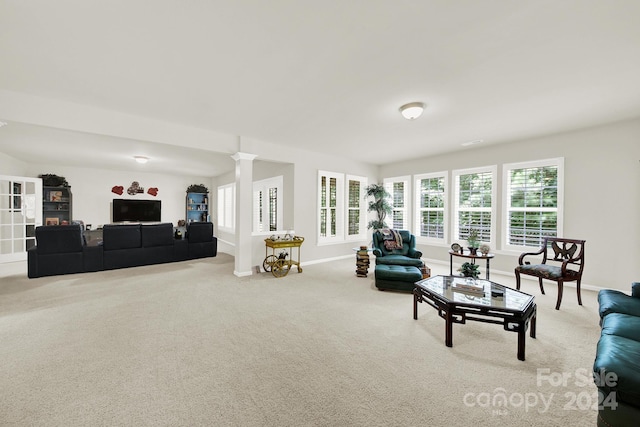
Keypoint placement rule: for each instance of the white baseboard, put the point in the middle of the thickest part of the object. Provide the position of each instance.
(242, 273)
(322, 260)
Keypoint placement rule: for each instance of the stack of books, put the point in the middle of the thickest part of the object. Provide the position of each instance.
(468, 289)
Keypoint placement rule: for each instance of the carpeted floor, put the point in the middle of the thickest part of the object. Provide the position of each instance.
(190, 344)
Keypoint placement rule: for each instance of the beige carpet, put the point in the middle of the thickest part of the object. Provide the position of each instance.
(189, 344)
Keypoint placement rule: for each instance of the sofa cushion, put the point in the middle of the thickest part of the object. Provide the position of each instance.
(59, 239)
(617, 358)
(124, 236)
(613, 301)
(622, 325)
(157, 235)
(200, 232)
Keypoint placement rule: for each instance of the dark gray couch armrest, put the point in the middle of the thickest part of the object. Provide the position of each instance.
(32, 262)
(635, 289)
(414, 253)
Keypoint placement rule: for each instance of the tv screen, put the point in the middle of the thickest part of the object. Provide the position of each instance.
(136, 210)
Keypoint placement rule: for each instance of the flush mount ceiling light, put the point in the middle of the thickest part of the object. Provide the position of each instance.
(412, 110)
(2, 124)
(141, 159)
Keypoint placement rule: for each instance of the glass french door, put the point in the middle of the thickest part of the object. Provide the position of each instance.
(20, 214)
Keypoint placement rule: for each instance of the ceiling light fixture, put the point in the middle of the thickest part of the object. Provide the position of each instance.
(2, 124)
(412, 110)
(141, 159)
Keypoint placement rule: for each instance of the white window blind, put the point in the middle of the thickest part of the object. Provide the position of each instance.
(399, 189)
(431, 196)
(474, 204)
(331, 207)
(533, 202)
(356, 207)
(267, 205)
(227, 207)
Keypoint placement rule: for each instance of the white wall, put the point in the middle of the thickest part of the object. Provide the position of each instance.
(92, 196)
(302, 194)
(602, 194)
(11, 166)
(602, 199)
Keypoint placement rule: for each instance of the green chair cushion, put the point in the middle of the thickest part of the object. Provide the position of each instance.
(546, 271)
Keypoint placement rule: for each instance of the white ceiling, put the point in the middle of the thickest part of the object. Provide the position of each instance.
(325, 76)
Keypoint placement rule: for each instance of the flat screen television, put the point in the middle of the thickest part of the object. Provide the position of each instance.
(129, 210)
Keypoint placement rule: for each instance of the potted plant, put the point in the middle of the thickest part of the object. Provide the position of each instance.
(470, 270)
(197, 188)
(53, 180)
(380, 205)
(473, 240)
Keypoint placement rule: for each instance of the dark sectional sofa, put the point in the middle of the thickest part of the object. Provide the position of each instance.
(61, 249)
(617, 364)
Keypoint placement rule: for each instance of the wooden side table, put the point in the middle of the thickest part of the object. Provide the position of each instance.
(467, 254)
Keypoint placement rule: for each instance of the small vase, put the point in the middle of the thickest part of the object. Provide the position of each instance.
(473, 251)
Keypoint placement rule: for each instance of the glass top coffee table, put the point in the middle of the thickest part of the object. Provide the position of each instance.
(458, 301)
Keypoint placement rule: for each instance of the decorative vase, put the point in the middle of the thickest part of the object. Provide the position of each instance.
(473, 251)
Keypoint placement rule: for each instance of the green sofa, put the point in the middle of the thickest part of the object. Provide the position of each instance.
(617, 365)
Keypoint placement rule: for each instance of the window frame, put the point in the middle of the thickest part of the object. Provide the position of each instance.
(455, 179)
(362, 208)
(339, 208)
(388, 184)
(506, 198)
(264, 185)
(417, 181)
(227, 208)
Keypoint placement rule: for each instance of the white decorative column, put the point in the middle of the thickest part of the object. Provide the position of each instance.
(244, 212)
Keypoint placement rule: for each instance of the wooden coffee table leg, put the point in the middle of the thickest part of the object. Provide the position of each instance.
(448, 336)
(533, 326)
(521, 340)
(415, 305)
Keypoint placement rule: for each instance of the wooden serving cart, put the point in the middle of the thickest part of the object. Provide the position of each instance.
(280, 265)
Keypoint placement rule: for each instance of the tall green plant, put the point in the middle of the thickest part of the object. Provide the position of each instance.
(380, 205)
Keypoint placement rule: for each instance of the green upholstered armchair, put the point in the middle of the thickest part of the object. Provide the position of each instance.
(406, 255)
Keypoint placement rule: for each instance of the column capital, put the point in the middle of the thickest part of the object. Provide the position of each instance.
(243, 156)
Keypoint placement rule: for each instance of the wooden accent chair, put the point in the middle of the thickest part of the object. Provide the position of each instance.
(566, 253)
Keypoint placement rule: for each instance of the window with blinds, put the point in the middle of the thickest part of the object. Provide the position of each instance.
(227, 207)
(356, 207)
(342, 208)
(533, 202)
(474, 207)
(430, 201)
(267, 205)
(399, 190)
(329, 219)
(353, 195)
